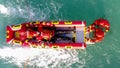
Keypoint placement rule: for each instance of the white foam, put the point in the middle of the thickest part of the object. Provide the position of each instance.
(39, 57)
(3, 9)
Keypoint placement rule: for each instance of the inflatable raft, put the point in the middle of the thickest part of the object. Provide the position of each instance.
(57, 34)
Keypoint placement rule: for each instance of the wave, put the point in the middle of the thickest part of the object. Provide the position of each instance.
(39, 57)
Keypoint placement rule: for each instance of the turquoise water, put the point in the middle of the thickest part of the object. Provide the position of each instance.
(105, 54)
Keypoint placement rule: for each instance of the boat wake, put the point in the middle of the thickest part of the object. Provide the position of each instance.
(33, 57)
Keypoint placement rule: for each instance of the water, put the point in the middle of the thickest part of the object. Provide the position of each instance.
(101, 55)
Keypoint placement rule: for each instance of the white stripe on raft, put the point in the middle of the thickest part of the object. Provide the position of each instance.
(69, 25)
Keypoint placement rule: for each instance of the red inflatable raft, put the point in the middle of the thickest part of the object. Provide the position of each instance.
(56, 34)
